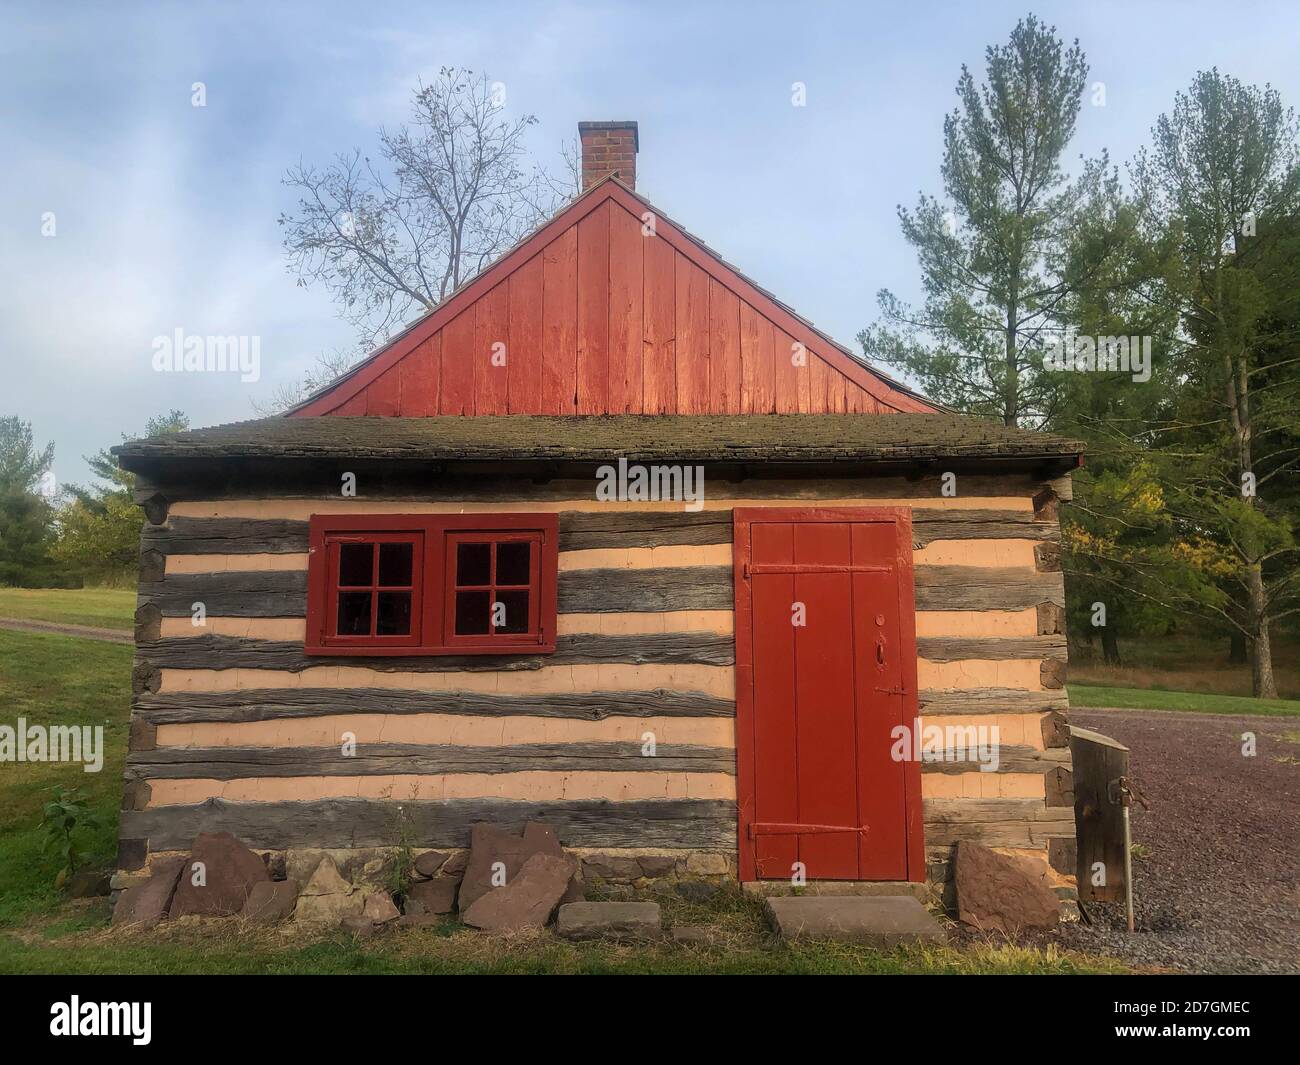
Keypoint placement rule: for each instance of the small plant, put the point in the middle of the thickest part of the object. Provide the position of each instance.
(68, 811)
(399, 870)
(1140, 851)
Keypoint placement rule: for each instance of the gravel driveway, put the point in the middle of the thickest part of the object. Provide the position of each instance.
(1216, 880)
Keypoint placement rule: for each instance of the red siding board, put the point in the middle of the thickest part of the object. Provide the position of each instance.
(593, 312)
(692, 335)
(724, 350)
(457, 392)
(383, 396)
(491, 352)
(626, 338)
(560, 325)
(418, 373)
(758, 369)
(658, 372)
(524, 371)
(351, 407)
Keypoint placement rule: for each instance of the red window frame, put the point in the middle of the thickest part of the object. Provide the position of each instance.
(434, 587)
(334, 544)
(454, 587)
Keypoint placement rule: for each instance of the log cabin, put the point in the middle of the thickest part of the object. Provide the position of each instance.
(615, 540)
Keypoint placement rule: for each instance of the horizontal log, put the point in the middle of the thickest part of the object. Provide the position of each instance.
(1011, 759)
(579, 530)
(389, 481)
(615, 591)
(705, 824)
(271, 704)
(235, 652)
(279, 593)
(227, 536)
(383, 759)
(994, 822)
(929, 525)
(990, 701)
(234, 594)
(994, 648)
(583, 530)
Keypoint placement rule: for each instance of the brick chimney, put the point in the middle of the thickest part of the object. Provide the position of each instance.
(608, 148)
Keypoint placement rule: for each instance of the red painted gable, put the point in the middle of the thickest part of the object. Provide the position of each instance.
(598, 313)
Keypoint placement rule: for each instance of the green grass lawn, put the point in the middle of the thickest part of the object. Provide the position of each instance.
(105, 608)
(1085, 695)
(47, 678)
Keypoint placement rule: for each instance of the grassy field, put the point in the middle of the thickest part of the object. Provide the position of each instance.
(105, 608)
(1084, 695)
(1184, 662)
(49, 679)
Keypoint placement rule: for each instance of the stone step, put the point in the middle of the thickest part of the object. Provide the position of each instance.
(881, 921)
(773, 888)
(608, 920)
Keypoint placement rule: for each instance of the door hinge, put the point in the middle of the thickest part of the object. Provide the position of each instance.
(781, 828)
(894, 691)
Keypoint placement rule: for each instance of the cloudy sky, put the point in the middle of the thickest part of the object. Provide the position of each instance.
(165, 213)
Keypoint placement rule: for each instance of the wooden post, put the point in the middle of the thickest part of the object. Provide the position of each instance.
(1098, 816)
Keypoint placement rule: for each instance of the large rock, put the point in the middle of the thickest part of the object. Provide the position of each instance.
(657, 865)
(218, 877)
(432, 896)
(527, 900)
(608, 920)
(489, 845)
(997, 893)
(610, 867)
(271, 901)
(327, 898)
(146, 904)
(379, 907)
(428, 863)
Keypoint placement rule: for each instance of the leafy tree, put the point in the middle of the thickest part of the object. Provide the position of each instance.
(26, 480)
(99, 526)
(1215, 440)
(996, 264)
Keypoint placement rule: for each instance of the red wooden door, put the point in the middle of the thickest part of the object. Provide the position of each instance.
(826, 671)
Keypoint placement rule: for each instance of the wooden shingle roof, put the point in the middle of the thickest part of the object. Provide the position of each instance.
(669, 438)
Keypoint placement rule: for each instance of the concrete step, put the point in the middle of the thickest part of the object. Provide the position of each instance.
(881, 921)
(773, 888)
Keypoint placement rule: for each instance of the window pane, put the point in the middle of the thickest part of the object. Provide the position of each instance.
(394, 618)
(472, 614)
(356, 565)
(394, 565)
(515, 607)
(473, 564)
(513, 562)
(354, 613)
